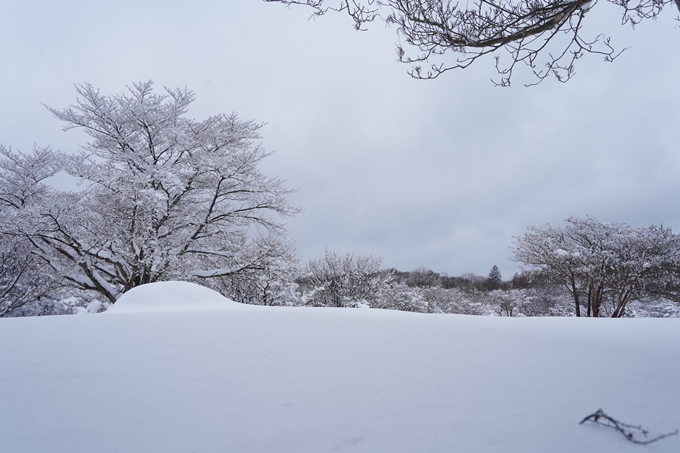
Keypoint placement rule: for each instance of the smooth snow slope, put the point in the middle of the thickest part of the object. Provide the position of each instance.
(264, 379)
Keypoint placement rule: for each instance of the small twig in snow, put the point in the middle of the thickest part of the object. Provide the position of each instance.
(631, 432)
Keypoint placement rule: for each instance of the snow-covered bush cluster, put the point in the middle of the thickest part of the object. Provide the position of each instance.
(353, 281)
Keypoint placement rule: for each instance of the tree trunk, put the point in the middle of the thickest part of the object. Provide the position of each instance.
(621, 305)
(575, 293)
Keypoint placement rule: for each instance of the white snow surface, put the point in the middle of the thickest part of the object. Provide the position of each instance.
(173, 367)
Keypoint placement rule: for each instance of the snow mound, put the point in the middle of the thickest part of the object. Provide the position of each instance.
(173, 297)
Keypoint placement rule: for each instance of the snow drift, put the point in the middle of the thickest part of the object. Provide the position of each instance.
(174, 296)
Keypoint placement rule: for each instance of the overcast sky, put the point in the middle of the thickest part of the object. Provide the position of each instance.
(439, 174)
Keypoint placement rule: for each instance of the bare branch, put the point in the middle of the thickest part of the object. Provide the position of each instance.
(545, 35)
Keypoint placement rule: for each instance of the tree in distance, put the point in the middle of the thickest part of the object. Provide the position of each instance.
(604, 266)
(422, 277)
(545, 35)
(495, 275)
(343, 280)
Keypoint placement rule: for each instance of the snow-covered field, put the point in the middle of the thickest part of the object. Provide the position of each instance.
(173, 367)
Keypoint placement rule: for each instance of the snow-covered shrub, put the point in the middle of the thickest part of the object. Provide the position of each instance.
(61, 304)
(653, 308)
(454, 301)
(398, 296)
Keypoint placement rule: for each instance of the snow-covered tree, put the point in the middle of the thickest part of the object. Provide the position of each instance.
(273, 283)
(495, 275)
(398, 296)
(604, 266)
(343, 280)
(422, 277)
(163, 196)
(23, 280)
